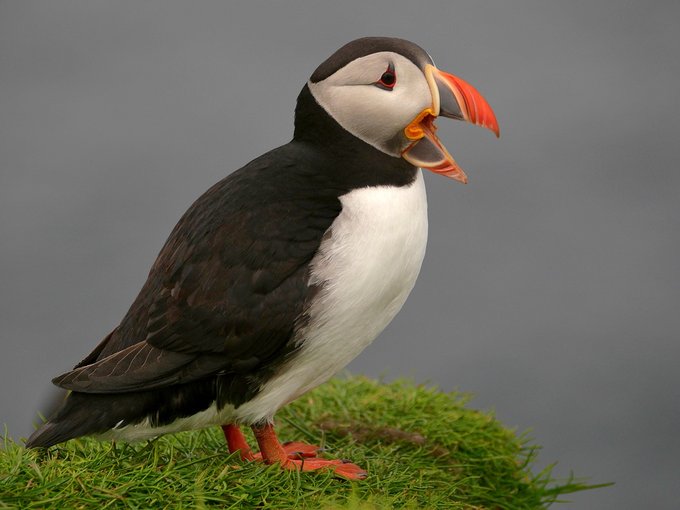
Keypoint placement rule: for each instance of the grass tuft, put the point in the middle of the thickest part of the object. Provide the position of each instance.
(423, 449)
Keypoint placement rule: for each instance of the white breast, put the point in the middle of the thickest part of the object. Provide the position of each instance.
(366, 266)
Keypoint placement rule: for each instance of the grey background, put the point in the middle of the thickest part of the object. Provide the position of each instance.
(551, 285)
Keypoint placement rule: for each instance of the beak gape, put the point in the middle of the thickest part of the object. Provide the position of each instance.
(453, 98)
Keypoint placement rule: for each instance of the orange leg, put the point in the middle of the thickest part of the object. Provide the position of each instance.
(273, 452)
(237, 442)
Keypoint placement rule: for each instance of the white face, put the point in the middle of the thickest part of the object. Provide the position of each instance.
(371, 113)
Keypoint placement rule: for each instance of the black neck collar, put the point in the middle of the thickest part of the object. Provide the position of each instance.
(347, 158)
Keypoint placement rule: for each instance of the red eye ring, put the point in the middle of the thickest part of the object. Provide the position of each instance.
(388, 79)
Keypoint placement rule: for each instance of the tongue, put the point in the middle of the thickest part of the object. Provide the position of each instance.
(429, 153)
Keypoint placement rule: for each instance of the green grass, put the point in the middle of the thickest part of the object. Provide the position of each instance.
(423, 449)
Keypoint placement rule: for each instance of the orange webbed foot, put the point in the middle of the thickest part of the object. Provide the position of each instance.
(292, 455)
(341, 468)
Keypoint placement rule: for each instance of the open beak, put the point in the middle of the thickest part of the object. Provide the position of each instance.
(453, 98)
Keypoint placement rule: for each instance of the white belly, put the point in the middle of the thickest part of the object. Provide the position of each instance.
(366, 267)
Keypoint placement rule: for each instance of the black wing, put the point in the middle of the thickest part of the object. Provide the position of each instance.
(228, 288)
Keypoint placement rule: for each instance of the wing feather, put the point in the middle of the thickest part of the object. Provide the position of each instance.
(226, 291)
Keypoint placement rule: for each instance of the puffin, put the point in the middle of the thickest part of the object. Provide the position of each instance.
(285, 270)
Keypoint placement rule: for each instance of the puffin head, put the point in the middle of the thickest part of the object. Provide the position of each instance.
(388, 93)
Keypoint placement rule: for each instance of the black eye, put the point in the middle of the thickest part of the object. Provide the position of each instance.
(388, 79)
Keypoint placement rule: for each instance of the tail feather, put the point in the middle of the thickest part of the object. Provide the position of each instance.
(86, 414)
(79, 415)
(49, 434)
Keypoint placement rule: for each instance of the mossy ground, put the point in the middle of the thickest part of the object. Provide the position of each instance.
(423, 449)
